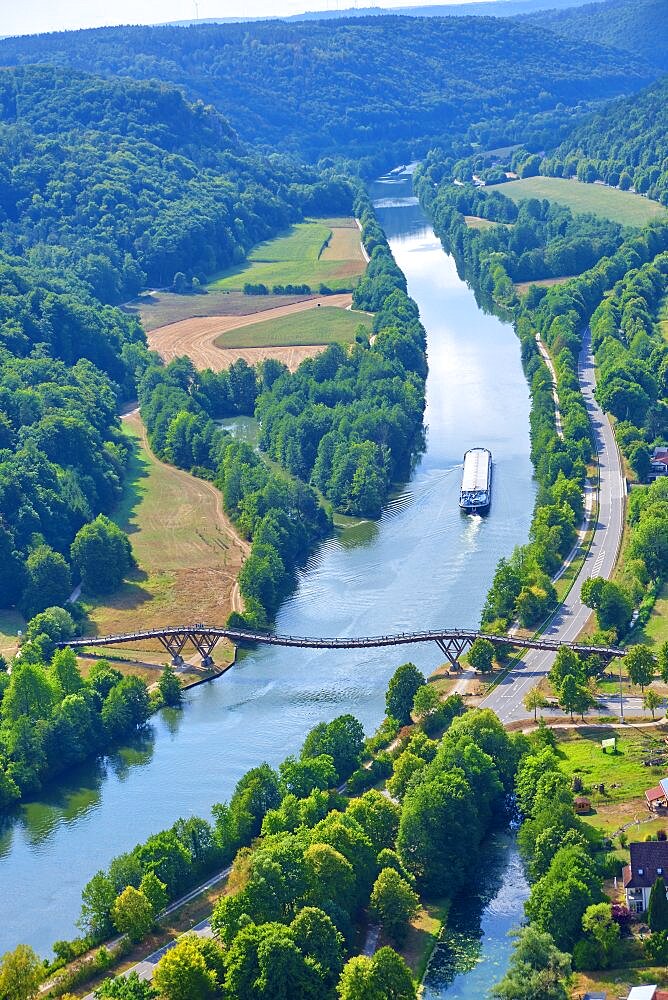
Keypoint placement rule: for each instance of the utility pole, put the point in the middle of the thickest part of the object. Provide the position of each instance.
(621, 696)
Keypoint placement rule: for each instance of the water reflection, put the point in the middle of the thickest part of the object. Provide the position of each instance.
(422, 565)
(473, 952)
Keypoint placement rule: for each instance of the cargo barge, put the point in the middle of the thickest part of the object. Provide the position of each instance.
(476, 489)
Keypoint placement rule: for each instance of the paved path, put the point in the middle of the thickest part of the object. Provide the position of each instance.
(572, 615)
(146, 968)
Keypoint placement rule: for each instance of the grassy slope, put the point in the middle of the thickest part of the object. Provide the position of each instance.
(187, 560)
(326, 325)
(608, 203)
(296, 258)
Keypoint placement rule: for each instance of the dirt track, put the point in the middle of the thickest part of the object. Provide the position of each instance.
(195, 337)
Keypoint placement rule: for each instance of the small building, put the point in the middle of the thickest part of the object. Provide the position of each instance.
(647, 993)
(657, 797)
(582, 805)
(649, 861)
(658, 463)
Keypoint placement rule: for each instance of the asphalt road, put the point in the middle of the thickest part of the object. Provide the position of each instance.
(572, 615)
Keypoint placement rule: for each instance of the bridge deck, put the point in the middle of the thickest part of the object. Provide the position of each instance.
(209, 635)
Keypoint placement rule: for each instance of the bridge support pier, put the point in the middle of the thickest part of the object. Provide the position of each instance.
(174, 644)
(452, 648)
(204, 643)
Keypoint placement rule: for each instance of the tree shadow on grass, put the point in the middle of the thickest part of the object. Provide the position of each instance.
(134, 490)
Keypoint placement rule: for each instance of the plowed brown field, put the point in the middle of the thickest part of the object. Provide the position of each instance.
(195, 337)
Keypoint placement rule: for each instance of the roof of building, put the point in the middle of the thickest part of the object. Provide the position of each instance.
(664, 784)
(652, 794)
(649, 861)
(643, 993)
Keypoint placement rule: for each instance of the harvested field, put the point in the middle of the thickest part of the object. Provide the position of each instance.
(522, 287)
(156, 309)
(196, 338)
(188, 552)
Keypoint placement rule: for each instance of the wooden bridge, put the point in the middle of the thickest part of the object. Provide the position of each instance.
(451, 642)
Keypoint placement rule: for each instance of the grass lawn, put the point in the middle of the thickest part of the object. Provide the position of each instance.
(663, 319)
(623, 773)
(655, 632)
(617, 982)
(423, 933)
(300, 257)
(185, 548)
(10, 623)
(475, 222)
(326, 325)
(157, 309)
(608, 203)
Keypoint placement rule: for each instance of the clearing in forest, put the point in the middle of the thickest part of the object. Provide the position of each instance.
(325, 325)
(311, 253)
(189, 554)
(608, 203)
(196, 338)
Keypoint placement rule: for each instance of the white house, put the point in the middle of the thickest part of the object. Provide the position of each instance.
(649, 861)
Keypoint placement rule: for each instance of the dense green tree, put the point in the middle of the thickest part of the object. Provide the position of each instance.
(48, 580)
(393, 903)
(125, 988)
(154, 890)
(401, 690)
(597, 920)
(102, 555)
(342, 739)
(183, 974)
(21, 973)
(657, 909)
(640, 665)
(481, 655)
(537, 969)
(132, 913)
(129, 987)
(170, 687)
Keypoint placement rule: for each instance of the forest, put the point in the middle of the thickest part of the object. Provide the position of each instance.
(297, 86)
(104, 185)
(620, 24)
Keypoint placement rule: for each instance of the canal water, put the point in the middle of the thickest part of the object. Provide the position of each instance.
(472, 954)
(422, 566)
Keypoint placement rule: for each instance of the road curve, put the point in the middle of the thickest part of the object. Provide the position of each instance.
(572, 615)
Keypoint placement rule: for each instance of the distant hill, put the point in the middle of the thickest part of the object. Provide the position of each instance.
(356, 87)
(626, 144)
(639, 27)
(484, 8)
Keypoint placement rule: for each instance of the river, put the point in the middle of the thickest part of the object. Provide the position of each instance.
(473, 951)
(423, 565)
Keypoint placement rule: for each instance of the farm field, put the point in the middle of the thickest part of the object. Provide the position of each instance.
(608, 203)
(159, 308)
(196, 338)
(326, 325)
(300, 257)
(188, 553)
(522, 287)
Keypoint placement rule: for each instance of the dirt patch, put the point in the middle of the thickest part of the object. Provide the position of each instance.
(158, 308)
(195, 337)
(522, 287)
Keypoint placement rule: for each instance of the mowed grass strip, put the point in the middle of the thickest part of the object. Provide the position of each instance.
(188, 558)
(304, 242)
(298, 258)
(324, 325)
(608, 203)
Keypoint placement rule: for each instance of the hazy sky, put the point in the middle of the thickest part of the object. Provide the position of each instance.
(22, 17)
